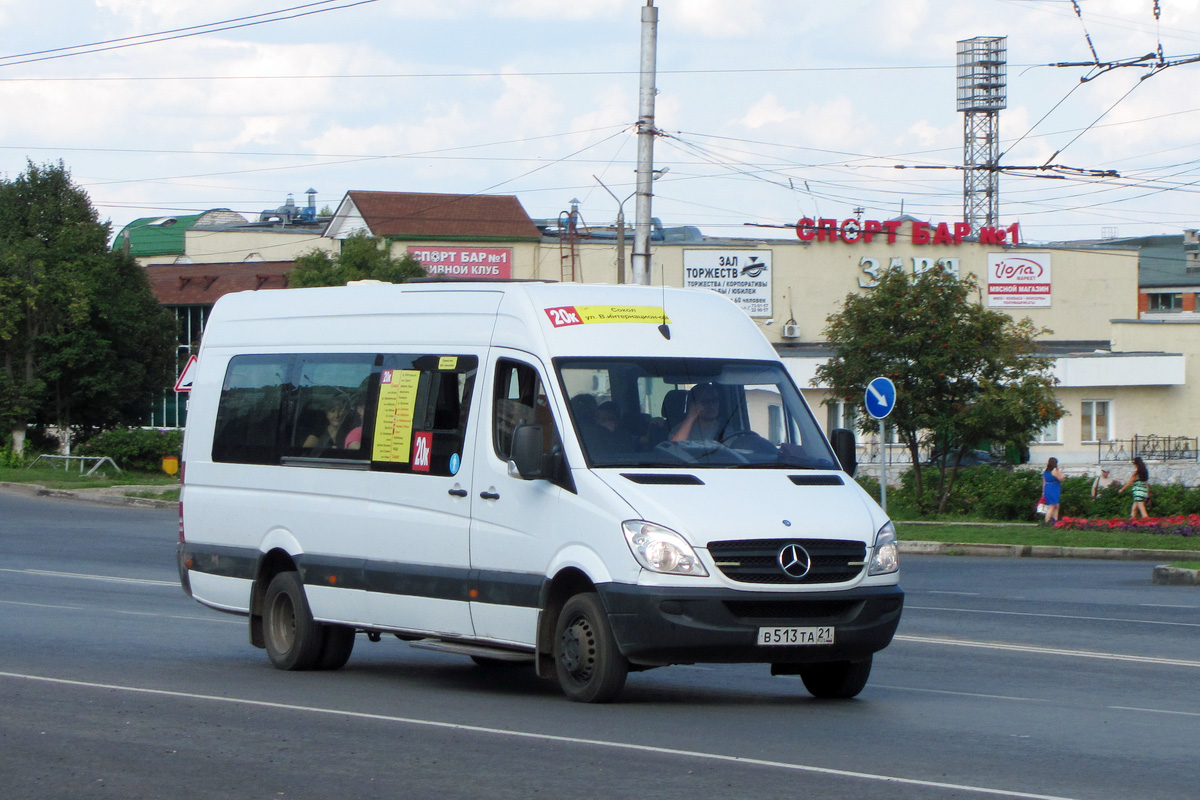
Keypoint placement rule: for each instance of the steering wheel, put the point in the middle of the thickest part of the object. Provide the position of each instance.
(752, 441)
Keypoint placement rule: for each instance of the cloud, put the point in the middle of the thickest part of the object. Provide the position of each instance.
(834, 124)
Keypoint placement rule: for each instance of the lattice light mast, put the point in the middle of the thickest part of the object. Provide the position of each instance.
(982, 93)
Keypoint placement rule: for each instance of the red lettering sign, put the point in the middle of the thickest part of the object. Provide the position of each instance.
(563, 315)
(422, 450)
(467, 263)
(941, 233)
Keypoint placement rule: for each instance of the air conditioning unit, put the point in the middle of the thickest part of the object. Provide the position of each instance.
(791, 331)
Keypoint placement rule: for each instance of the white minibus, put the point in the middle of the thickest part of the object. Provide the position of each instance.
(592, 479)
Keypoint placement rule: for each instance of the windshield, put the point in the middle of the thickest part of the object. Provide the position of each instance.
(672, 412)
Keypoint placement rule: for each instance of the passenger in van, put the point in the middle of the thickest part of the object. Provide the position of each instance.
(702, 421)
(353, 437)
(608, 435)
(326, 437)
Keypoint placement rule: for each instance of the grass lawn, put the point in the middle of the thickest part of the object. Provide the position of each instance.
(1038, 535)
(59, 478)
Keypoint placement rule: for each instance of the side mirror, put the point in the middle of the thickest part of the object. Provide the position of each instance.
(526, 455)
(845, 448)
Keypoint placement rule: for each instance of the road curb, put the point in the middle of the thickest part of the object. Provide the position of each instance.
(102, 496)
(1044, 551)
(1166, 575)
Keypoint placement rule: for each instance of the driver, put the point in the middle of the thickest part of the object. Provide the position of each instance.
(701, 422)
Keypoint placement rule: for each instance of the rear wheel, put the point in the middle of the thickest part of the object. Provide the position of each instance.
(336, 649)
(292, 638)
(589, 666)
(837, 680)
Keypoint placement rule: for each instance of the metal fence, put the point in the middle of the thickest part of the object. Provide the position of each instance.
(1151, 448)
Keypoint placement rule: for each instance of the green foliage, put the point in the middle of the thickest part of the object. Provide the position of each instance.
(134, 448)
(9, 458)
(964, 374)
(362, 257)
(991, 493)
(83, 341)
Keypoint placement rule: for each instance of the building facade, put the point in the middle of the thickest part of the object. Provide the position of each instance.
(1122, 372)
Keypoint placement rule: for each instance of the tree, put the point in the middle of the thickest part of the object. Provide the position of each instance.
(362, 257)
(964, 374)
(83, 341)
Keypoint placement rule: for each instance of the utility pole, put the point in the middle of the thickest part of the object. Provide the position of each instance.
(645, 132)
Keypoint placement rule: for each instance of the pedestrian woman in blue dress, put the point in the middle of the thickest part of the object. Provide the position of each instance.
(1052, 490)
(1140, 483)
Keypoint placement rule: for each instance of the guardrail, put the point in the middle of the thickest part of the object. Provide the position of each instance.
(1150, 448)
(96, 461)
(869, 453)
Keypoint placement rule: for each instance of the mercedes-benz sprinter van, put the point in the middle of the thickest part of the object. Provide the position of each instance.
(593, 479)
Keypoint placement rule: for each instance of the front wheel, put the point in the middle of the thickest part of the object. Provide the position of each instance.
(589, 666)
(836, 680)
(294, 641)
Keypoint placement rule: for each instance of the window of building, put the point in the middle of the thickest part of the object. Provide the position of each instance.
(1051, 434)
(1165, 301)
(840, 414)
(1095, 420)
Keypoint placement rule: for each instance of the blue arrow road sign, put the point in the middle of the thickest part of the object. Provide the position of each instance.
(881, 397)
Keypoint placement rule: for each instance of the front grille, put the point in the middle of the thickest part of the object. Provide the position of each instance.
(757, 560)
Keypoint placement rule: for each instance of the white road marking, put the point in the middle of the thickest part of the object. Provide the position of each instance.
(959, 694)
(546, 737)
(1156, 711)
(85, 576)
(93, 609)
(959, 594)
(1049, 651)
(1051, 616)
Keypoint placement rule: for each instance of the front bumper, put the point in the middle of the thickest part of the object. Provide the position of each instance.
(656, 626)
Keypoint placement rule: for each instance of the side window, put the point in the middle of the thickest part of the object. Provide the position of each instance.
(249, 423)
(420, 419)
(519, 398)
(327, 409)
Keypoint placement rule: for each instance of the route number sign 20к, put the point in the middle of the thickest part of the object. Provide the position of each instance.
(792, 637)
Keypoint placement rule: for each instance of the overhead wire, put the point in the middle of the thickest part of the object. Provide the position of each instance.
(80, 50)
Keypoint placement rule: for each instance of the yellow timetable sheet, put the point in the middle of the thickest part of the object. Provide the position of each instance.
(394, 417)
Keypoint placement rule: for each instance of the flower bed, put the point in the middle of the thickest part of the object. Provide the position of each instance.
(1182, 525)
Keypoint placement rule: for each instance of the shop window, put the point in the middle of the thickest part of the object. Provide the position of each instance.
(1095, 420)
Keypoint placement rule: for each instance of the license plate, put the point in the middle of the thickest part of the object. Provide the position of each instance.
(794, 637)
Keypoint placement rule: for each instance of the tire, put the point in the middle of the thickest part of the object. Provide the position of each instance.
(836, 680)
(293, 639)
(336, 649)
(589, 666)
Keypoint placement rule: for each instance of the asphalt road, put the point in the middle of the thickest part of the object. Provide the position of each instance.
(1009, 678)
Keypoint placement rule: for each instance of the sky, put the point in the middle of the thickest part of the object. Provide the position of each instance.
(768, 110)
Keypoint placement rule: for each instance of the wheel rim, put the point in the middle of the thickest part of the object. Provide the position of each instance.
(578, 649)
(283, 623)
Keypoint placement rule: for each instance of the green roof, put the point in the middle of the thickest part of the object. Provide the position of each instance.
(156, 236)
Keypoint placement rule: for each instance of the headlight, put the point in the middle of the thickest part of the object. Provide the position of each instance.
(660, 549)
(886, 556)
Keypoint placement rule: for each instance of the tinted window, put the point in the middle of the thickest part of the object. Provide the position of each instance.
(420, 418)
(249, 420)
